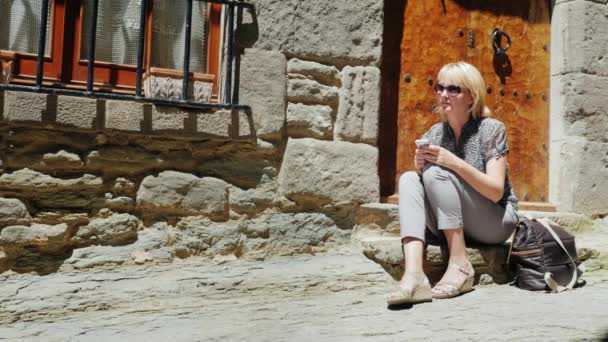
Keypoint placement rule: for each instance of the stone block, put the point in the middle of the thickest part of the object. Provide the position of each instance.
(13, 213)
(578, 43)
(117, 229)
(123, 187)
(50, 192)
(61, 160)
(583, 106)
(376, 219)
(32, 182)
(180, 194)
(338, 31)
(43, 238)
(125, 115)
(583, 177)
(23, 106)
(244, 171)
(262, 85)
(196, 235)
(165, 119)
(222, 124)
(309, 121)
(311, 92)
(341, 30)
(79, 112)
(322, 172)
(151, 246)
(325, 74)
(73, 220)
(269, 26)
(573, 222)
(118, 204)
(250, 201)
(147, 118)
(289, 234)
(357, 119)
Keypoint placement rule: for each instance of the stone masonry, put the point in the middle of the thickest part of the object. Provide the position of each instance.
(579, 108)
(86, 182)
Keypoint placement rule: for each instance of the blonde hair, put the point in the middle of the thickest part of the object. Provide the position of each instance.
(467, 77)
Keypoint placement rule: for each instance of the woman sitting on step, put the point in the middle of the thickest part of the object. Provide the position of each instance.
(460, 188)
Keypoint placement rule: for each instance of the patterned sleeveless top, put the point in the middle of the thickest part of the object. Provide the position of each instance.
(480, 140)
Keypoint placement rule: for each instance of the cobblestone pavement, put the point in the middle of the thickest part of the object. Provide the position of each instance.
(338, 297)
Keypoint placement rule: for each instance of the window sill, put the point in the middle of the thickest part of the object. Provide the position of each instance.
(72, 110)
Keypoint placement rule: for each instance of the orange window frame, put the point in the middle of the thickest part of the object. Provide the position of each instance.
(25, 64)
(64, 66)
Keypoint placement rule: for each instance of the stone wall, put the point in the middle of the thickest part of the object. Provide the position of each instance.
(579, 107)
(87, 182)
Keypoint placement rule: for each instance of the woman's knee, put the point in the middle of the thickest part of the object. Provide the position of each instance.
(408, 178)
(432, 174)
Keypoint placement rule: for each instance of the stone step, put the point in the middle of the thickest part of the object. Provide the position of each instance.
(575, 223)
(488, 260)
(383, 219)
(377, 230)
(372, 219)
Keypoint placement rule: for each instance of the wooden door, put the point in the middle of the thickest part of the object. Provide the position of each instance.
(443, 31)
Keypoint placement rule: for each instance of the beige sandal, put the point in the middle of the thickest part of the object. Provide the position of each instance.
(419, 294)
(444, 290)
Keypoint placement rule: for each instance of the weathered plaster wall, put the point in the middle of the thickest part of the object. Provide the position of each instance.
(87, 182)
(579, 107)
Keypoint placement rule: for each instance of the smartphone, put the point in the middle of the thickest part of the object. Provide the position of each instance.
(422, 142)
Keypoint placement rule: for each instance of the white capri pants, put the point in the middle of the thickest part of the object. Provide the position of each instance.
(440, 199)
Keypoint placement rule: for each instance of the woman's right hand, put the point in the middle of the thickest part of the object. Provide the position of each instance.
(419, 159)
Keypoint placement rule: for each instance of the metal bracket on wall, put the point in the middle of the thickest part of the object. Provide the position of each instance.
(471, 40)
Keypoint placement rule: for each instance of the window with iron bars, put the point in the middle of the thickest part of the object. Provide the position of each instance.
(179, 37)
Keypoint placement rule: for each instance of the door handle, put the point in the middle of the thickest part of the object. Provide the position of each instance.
(497, 36)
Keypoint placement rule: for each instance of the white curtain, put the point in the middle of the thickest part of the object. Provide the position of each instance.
(118, 33)
(20, 25)
(169, 31)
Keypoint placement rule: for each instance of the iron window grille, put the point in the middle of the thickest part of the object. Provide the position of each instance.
(227, 38)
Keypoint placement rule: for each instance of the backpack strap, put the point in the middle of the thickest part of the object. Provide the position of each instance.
(512, 236)
(553, 285)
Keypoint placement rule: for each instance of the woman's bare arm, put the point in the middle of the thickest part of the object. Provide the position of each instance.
(490, 184)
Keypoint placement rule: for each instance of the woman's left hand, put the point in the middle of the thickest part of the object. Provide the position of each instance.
(440, 156)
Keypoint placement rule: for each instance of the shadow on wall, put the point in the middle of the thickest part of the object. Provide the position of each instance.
(246, 35)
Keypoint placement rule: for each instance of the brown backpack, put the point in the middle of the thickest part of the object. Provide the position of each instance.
(543, 256)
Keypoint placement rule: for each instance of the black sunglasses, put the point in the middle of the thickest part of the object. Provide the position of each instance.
(452, 89)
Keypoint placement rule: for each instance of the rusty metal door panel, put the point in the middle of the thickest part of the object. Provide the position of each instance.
(519, 82)
(431, 38)
(438, 32)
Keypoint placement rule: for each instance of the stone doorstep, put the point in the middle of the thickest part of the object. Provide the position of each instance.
(488, 260)
(383, 219)
(377, 228)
